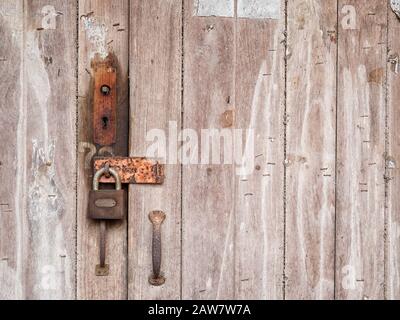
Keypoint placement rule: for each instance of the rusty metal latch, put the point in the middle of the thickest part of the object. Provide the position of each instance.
(132, 170)
(111, 204)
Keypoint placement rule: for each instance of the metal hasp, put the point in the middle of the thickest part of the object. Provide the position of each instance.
(104, 104)
(132, 170)
(156, 218)
(105, 205)
(110, 204)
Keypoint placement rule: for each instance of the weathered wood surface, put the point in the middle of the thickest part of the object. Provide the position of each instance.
(12, 159)
(310, 140)
(392, 280)
(259, 105)
(103, 30)
(37, 211)
(208, 190)
(155, 99)
(360, 164)
(318, 83)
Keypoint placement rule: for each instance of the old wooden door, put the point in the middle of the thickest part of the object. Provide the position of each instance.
(308, 88)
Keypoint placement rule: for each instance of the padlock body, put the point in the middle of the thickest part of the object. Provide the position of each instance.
(107, 204)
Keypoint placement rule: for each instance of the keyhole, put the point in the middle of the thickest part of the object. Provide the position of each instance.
(105, 122)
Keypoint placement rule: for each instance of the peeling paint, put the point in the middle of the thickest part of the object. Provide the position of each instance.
(259, 9)
(395, 4)
(390, 163)
(96, 33)
(251, 9)
(45, 200)
(218, 8)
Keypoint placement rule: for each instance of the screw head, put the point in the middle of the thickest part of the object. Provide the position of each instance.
(105, 90)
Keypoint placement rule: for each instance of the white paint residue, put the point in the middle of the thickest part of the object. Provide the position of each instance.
(38, 79)
(259, 9)
(395, 4)
(97, 35)
(45, 200)
(20, 174)
(351, 81)
(209, 283)
(218, 8)
(254, 116)
(11, 280)
(45, 209)
(42, 204)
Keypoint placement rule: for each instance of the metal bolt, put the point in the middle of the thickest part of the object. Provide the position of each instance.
(105, 90)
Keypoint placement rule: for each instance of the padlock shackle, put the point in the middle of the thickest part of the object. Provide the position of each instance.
(102, 171)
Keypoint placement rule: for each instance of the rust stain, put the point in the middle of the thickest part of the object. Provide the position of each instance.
(104, 101)
(376, 75)
(227, 118)
(132, 170)
(332, 36)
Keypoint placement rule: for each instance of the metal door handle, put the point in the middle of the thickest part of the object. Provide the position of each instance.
(156, 218)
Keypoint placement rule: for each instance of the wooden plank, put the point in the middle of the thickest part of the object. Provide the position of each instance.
(208, 190)
(12, 159)
(40, 108)
(360, 149)
(155, 83)
(392, 162)
(259, 215)
(103, 29)
(310, 160)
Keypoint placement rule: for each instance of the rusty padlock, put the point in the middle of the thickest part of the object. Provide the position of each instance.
(106, 204)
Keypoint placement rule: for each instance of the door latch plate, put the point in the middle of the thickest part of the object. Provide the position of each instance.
(105, 104)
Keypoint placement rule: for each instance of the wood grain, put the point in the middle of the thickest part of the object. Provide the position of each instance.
(208, 190)
(360, 151)
(40, 110)
(155, 93)
(310, 160)
(103, 30)
(317, 215)
(392, 280)
(12, 158)
(259, 105)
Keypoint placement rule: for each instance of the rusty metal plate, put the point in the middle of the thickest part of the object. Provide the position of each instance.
(104, 104)
(132, 169)
(102, 271)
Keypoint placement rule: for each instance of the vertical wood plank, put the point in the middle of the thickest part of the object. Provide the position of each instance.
(393, 161)
(50, 86)
(40, 106)
(310, 172)
(208, 190)
(360, 150)
(260, 88)
(12, 158)
(103, 30)
(155, 84)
